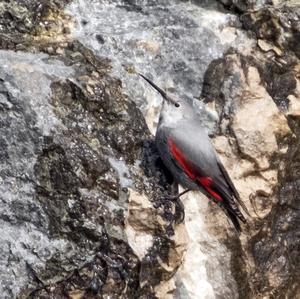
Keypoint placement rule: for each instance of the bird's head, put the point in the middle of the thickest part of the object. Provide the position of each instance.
(173, 109)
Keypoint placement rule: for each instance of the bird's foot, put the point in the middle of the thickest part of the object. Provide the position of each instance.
(177, 196)
(172, 197)
(167, 203)
(179, 211)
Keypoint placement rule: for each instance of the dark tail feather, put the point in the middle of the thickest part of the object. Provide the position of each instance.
(163, 93)
(234, 219)
(233, 189)
(235, 215)
(231, 208)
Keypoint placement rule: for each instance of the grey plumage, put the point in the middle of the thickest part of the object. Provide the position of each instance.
(188, 153)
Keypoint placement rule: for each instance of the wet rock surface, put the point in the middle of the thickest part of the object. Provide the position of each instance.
(83, 192)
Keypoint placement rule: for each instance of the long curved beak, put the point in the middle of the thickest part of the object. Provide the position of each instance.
(162, 92)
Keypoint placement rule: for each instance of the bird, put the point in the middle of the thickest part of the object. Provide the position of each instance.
(188, 153)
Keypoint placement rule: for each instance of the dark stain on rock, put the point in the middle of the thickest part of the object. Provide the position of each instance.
(279, 79)
(277, 252)
(276, 25)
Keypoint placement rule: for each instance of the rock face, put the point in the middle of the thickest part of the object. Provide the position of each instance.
(255, 153)
(83, 206)
(75, 153)
(263, 142)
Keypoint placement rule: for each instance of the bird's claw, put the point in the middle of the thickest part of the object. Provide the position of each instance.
(172, 197)
(179, 211)
(179, 214)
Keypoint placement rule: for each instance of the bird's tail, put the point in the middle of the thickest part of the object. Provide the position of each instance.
(235, 215)
(235, 220)
(231, 207)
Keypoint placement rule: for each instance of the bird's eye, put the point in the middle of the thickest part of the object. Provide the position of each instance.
(177, 105)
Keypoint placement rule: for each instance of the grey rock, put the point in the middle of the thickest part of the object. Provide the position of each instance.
(63, 200)
(83, 206)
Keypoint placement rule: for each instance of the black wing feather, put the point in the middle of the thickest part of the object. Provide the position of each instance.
(232, 187)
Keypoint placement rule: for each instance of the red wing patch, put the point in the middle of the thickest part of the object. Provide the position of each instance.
(179, 157)
(206, 182)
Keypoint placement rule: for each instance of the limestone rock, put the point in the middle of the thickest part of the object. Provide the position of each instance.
(278, 25)
(65, 179)
(256, 156)
(83, 192)
(244, 5)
